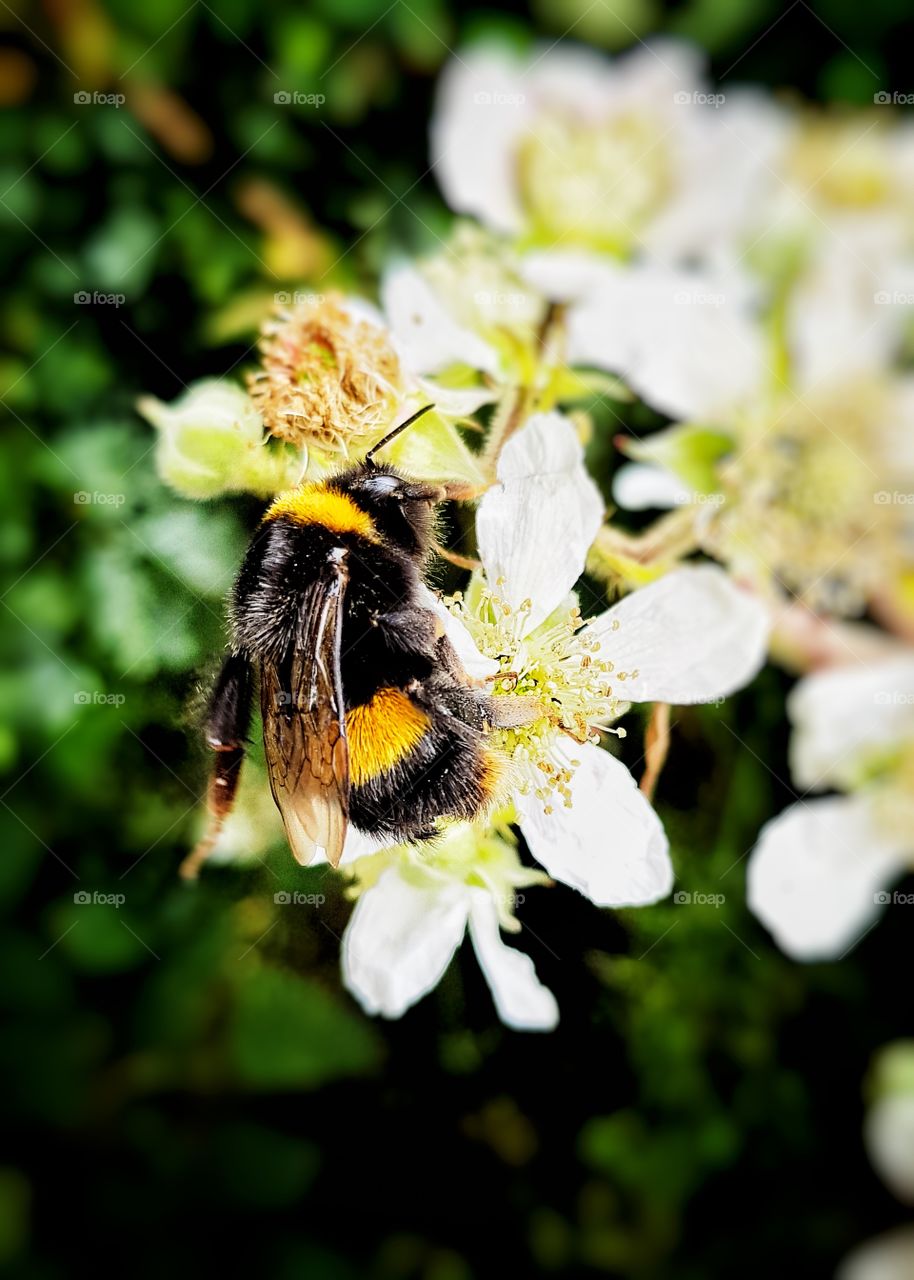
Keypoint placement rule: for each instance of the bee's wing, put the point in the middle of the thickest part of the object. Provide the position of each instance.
(304, 724)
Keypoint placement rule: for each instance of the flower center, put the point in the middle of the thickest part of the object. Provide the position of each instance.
(558, 667)
(803, 502)
(891, 790)
(328, 379)
(845, 164)
(594, 184)
(459, 853)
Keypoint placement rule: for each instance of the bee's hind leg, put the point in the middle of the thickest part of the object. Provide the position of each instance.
(227, 726)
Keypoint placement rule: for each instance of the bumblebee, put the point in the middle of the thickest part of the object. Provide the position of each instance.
(368, 715)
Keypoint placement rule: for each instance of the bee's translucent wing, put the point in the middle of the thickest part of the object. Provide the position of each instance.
(304, 723)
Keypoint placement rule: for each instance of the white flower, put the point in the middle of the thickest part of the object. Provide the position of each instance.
(413, 910)
(887, 1257)
(818, 876)
(467, 316)
(797, 483)
(686, 340)
(888, 1129)
(889, 1137)
(568, 147)
(690, 637)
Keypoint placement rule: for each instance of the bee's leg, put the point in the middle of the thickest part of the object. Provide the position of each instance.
(227, 726)
(505, 711)
(409, 630)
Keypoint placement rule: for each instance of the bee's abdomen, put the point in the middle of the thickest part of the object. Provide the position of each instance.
(406, 778)
(382, 732)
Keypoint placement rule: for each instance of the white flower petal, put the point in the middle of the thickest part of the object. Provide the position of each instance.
(610, 845)
(685, 341)
(887, 1257)
(456, 402)
(429, 336)
(888, 1133)
(535, 526)
(842, 714)
(480, 112)
(637, 486)
(400, 940)
(520, 998)
(692, 636)
(815, 876)
(476, 664)
(358, 845)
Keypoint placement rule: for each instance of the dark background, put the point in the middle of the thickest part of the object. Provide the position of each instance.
(183, 1078)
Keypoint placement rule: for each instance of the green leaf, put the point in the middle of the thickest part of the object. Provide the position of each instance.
(288, 1033)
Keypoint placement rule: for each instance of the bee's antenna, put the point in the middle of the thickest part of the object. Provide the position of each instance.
(392, 435)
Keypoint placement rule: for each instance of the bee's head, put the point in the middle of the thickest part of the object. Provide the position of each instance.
(403, 510)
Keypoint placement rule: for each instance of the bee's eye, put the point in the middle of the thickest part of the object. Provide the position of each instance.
(383, 486)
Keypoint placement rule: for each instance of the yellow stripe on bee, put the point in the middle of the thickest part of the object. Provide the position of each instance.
(492, 775)
(381, 733)
(316, 504)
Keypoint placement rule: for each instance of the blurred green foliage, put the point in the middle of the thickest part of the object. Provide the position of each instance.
(182, 1072)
